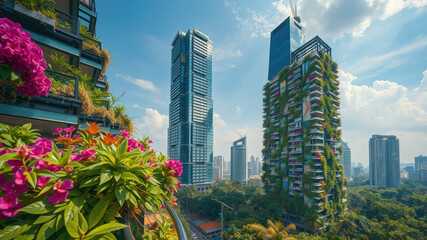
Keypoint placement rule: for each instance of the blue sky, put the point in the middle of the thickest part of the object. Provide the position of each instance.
(380, 46)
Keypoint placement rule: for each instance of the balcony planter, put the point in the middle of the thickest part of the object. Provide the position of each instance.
(36, 15)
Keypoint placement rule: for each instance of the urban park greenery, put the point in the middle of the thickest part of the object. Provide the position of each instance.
(373, 212)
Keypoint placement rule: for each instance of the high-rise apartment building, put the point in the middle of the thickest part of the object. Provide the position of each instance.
(419, 160)
(384, 161)
(420, 167)
(284, 39)
(238, 161)
(346, 156)
(218, 168)
(190, 133)
(302, 156)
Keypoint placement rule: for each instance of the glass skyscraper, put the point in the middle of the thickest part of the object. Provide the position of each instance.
(384, 161)
(238, 161)
(284, 39)
(346, 155)
(190, 133)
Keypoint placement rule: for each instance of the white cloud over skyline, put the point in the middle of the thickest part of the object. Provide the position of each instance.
(144, 84)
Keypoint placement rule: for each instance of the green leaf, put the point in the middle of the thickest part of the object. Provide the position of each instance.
(8, 156)
(46, 230)
(97, 212)
(106, 176)
(38, 208)
(130, 176)
(14, 76)
(43, 219)
(32, 178)
(122, 149)
(89, 182)
(73, 227)
(103, 187)
(83, 227)
(11, 231)
(65, 157)
(68, 215)
(104, 229)
(117, 175)
(5, 72)
(120, 195)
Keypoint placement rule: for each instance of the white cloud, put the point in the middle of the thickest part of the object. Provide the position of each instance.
(383, 108)
(155, 126)
(225, 53)
(238, 109)
(330, 18)
(137, 106)
(218, 121)
(144, 84)
(388, 60)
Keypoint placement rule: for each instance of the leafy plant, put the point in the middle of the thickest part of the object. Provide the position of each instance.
(80, 190)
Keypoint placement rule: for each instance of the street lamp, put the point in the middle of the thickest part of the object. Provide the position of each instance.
(222, 216)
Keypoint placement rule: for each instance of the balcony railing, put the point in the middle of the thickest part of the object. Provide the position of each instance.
(67, 22)
(91, 41)
(66, 81)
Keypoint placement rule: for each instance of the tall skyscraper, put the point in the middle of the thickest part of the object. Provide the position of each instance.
(346, 156)
(218, 168)
(284, 39)
(419, 160)
(238, 161)
(384, 161)
(190, 133)
(301, 129)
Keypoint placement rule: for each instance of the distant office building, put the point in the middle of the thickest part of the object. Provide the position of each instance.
(358, 171)
(190, 133)
(418, 161)
(423, 171)
(346, 156)
(284, 39)
(218, 168)
(384, 161)
(259, 163)
(238, 161)
(253, 167)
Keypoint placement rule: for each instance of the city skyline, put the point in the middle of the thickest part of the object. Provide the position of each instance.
(241, 56)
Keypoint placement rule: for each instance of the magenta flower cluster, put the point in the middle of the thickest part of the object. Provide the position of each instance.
(25, 57)
(174, 165)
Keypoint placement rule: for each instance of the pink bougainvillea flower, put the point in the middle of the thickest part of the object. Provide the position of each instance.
(63, 185)
(20, 178)
(23, 56)
(326, 63)
(150, 141)
(15, 164)
(148, 176)
(311, 77)
(69, 130)
(40, 148)
(178, 184)
(324, 124)
(174, 165)
(61, 192)
(278, 94)
(42, 181)
(4, 151)
(271, 137)
(43, 165)
(163, 207)
(58, 196)
(11, 187)
(12, 211)
(155, 224)
(85, 155)
(57, 131)
(154, 165)
(8, 201)
(170, 189)
(125, 133)
(22, 151)
(133, 144)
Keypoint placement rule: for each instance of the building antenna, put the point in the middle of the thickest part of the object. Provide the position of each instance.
(294, 12)
(237, 131)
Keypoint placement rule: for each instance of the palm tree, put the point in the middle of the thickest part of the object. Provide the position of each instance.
(345, 225)
(312, 220)
(275, 231)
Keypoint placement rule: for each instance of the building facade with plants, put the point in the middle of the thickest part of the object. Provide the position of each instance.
(302, 157)
(70, 86)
